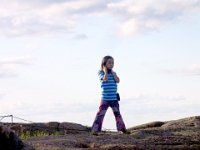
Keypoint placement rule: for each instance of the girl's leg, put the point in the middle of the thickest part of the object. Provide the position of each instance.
(97, 125)
(119, 121)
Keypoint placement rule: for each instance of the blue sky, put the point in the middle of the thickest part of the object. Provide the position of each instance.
(50, 53)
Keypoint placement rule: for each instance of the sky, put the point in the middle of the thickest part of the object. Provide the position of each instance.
(51, 51)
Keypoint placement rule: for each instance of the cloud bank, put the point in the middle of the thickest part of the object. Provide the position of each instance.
(9, 66)
(192, 70)
(143, 16)
(20, 17)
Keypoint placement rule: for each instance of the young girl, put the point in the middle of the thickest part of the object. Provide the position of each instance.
(109, 80)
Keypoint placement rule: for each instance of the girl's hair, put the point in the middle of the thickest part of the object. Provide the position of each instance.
(104, 61)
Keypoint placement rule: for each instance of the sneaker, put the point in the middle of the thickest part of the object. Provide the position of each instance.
(94, 133)
(126, 131)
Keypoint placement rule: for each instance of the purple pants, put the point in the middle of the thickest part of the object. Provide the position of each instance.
(97, 125)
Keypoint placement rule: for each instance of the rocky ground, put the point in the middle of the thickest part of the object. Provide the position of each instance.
(180, 134)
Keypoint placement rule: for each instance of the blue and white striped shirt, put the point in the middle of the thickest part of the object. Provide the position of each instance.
(109, 87)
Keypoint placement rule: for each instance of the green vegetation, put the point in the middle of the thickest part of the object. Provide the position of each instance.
(27, 134)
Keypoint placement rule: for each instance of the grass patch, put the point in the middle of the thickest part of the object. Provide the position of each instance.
(27, 134)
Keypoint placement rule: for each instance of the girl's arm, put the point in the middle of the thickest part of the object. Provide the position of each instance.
(115, 77)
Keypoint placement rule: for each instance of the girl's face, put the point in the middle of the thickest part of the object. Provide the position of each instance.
(110, 63)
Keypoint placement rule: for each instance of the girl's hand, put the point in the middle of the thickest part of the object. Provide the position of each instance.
(105, 69)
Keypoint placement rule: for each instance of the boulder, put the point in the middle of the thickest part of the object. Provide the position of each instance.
(68, 127)
(10, 141)
(183, 123)
(148, 125)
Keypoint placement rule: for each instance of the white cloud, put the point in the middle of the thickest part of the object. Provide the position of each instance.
(192, 70)
(80, 36)
(154, 99)
(22, 17)
(1, 96)
(150, 107)
(59, 111)
(42, 17)
(9, 66)
(8, 106)
(143, 16)
(25, 60)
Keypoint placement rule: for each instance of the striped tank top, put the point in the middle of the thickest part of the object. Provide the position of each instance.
(109, 87)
